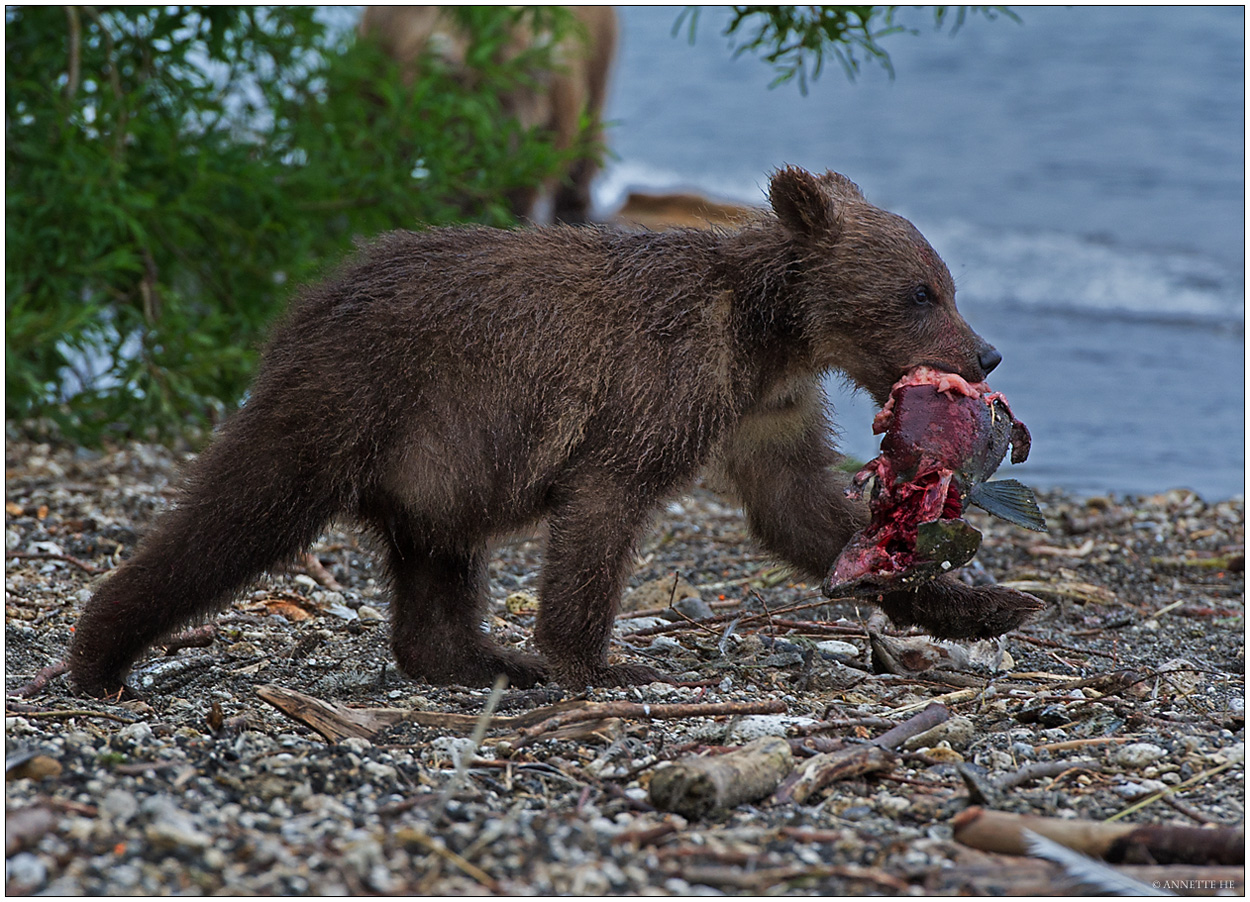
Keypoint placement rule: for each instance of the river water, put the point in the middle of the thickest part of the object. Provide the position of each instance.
(1081, 172)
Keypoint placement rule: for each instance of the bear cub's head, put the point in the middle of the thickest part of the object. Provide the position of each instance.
(875, 299)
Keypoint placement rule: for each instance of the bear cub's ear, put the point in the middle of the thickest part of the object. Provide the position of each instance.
(803, 202)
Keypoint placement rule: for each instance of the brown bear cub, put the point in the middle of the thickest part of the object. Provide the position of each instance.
(453, 385)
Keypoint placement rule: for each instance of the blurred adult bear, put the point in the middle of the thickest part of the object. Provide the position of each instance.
(554, 100)
(453, 385)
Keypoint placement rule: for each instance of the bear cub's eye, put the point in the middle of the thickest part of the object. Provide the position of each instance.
(923, 296)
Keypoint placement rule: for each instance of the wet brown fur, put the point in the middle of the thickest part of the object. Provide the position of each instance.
(450, 386)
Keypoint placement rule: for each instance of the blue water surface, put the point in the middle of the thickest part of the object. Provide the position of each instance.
(1082, 173)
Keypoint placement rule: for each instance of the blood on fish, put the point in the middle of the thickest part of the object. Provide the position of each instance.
(938, 443)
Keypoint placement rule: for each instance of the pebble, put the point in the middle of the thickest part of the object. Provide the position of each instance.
(634, 624)
(665, 643)
(171, 827)
(754, 726)
(958, 732)
(119, 805)
(1137, 755)
(24, 873)
(693, 607)
(838, 647)
(273, 810)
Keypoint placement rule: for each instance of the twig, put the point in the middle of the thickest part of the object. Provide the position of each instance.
(751, 618)
(318, 572)
(648, 836)
(961, 695)
(1192, 813)
(462, 760)
(1167, 791)
(818, 772)
(196, 637)
(1070, 744)
(936, 713)
(1041, 769)
(42, 678)
(1050, 643)
(75, 712)
(876, 755)
(646, 711)
(47, 556)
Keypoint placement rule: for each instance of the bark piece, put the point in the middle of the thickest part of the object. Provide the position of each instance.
(1030, 877)
(818, 772)
(336, 722)
(996, 831)
(695, 787)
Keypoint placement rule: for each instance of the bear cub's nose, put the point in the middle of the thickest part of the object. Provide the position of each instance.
(989, 358)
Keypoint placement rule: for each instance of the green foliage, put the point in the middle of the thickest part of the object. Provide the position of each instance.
(171, 172)
(795, 39)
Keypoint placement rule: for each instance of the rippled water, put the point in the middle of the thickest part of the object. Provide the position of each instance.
(1081, 172)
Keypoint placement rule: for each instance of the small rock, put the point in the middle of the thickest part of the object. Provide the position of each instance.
(172, 828)
(1136, 788)
(784, 659)
(754, 726)
(137, 733)
(454, 747)
(837, 647)
(24, 874)
(892, 806)
(521, 603)
(1181, 676)
(958, 732)
(693, 607)
(33, 767)
(341, 611)
(1138, 754)
(119, 805)
(379, 772)
(634, 624)
(665, 643)
(367, 612)
(356, 744)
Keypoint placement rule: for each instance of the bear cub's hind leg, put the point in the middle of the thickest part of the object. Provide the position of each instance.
(438, 599)
(588, 559)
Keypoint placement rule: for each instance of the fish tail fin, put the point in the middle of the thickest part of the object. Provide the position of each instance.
(1011, 501)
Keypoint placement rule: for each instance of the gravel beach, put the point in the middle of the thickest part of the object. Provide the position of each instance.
(1128, 689)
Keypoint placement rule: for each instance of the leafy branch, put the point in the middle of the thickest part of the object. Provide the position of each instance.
(795, 40)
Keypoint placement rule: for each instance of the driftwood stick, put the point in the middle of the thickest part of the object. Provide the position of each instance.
(48, 556)
(1039, 770)
(335, 722)
(42, 678)
(196, 637)
(313, 566)
(694, 787)
(644, 711)
(996, 831)
(936, 713)
(819, 771)
(1032, 877)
